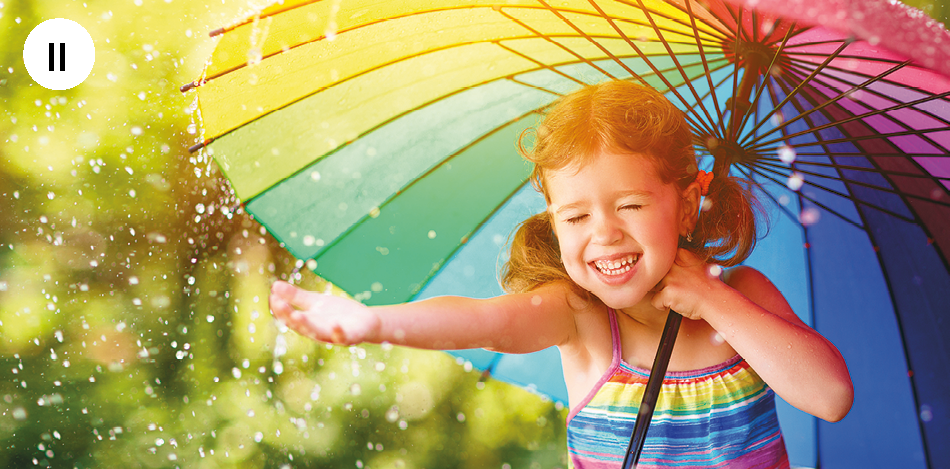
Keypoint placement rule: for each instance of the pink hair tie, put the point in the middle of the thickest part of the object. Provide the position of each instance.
(704, 179)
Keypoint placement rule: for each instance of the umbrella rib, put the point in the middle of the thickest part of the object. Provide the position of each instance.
(529, 85)
(541, 64)
(861, 117)
(760, 89)
(566, 49)
(864, 58)
(411, 183)
(711, 92)
(702, 55)
(735, 76)
(772, 93)
(865, 169)
(459, 246)
(832, 123)
(772, 169)
(805, 65)
(749, 177)
(837, 98)
(672, 57)
(205, 79)
(807, 79)
(910, 207)
(879, 94)
(817, 203)
(859, 138)
(915, 218)
(209, 140)
(722, 34)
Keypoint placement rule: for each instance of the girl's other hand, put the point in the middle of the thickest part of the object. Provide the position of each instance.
(689, 282)
(323, 317)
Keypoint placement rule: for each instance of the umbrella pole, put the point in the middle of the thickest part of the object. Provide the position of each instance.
(648, 403)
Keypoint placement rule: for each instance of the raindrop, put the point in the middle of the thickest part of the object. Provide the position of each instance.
(809, 216)
(258, 437)
(159, 442)
(431, 234)
(355, 389)
(786, 154)
(200, 208)
(136, 130)
(236, 373)
(795, 181)
(315, 175)
(926, 413)
(715, 271)
(254, 56)
(19, 413)
(717, 338)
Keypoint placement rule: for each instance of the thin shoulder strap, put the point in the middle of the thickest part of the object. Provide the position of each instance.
(614, 336)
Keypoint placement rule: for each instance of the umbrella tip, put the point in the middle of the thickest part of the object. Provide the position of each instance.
(188, 87)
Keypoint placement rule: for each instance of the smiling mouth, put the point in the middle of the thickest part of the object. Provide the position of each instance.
(616, 266)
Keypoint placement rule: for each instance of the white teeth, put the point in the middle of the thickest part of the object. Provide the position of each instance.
(618, 266)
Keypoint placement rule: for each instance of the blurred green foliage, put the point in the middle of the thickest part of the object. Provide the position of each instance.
(134, 327)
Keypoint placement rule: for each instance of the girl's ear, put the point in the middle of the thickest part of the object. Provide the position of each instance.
(690, 212)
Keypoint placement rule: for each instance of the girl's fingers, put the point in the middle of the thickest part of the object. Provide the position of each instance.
(297, 297)
(280, 308)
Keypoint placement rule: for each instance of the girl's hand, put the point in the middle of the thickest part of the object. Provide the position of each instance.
(323, 317)
(689, 282)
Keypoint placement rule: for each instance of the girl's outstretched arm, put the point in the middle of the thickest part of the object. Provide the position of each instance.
(517, 323)
(751, 314)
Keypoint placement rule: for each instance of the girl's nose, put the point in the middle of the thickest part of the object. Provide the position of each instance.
(607, 231)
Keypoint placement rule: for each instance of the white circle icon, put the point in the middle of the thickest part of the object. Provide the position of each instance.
(59, 54)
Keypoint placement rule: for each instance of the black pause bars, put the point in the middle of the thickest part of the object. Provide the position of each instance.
(62, 57)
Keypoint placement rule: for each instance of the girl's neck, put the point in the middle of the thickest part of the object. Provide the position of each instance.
(646, 314)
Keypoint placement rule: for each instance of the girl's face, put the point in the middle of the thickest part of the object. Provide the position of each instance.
(618, 225)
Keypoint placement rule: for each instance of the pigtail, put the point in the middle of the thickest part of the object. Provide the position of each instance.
(726, 230)
(534, 258)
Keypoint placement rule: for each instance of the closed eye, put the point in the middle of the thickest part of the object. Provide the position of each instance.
(575, 220)
(631, 207)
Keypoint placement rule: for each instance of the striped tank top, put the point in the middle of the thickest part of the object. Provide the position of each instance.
(721, 416)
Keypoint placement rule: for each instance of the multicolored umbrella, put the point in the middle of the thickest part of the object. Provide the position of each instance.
(378, 140)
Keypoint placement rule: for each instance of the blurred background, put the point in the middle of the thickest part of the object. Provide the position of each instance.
(134, 327)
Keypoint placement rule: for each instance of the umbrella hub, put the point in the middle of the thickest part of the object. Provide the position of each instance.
(754, 56)
(728, 152)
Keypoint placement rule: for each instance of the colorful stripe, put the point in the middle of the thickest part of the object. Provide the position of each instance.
(721, 416)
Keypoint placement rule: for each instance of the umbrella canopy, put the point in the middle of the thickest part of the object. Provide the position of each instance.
(378, 139)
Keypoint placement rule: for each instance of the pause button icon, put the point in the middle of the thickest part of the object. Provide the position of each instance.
(62, 56)
(44, 54)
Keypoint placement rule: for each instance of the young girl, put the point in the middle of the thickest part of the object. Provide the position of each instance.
(623, 241)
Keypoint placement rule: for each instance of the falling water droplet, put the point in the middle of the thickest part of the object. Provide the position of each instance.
(795, 181)
(786, 154)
